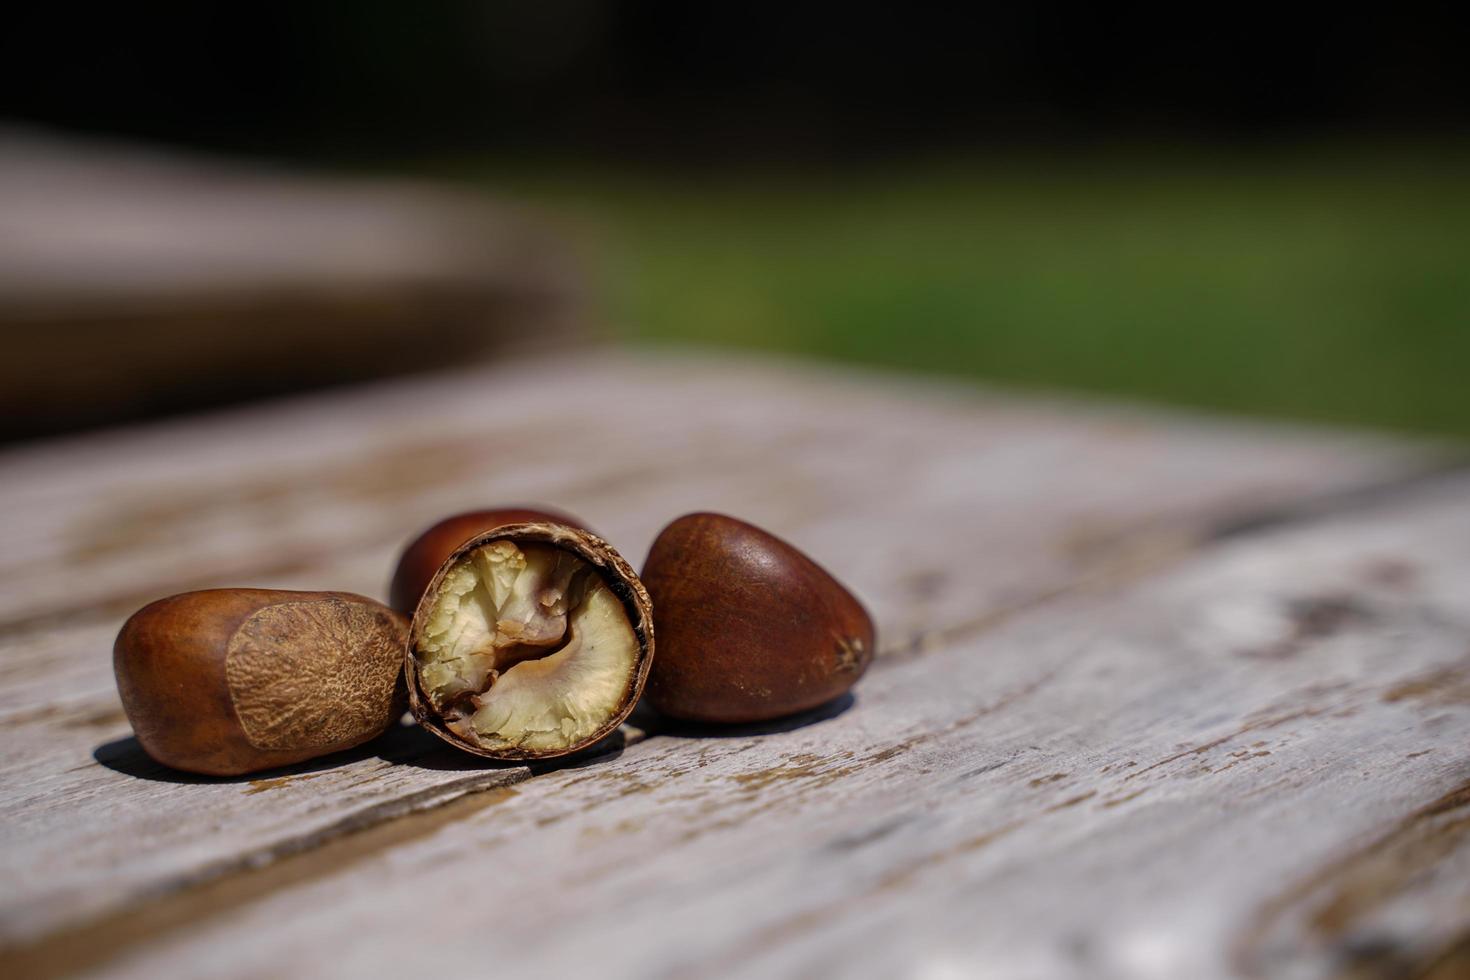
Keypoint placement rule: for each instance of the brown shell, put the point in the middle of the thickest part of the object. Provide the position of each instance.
(229, 681)
(750, 629)
(426, 553)
(615, 571)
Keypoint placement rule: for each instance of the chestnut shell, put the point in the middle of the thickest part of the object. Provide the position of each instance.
(750, 629)
(424, 555)
(620, 579)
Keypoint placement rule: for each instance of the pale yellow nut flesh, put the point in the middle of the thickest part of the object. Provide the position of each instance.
(525, 648)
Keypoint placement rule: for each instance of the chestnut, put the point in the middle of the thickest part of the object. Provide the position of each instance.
(532, 640)
(750, 629)
(229, 681)
(425, 553)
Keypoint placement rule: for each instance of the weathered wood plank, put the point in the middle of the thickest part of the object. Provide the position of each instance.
(945, 511)
(103, 521)
(1254, 764)
(134, 279)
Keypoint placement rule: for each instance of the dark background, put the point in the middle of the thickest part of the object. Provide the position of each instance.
(1245, 208)
(697, 82)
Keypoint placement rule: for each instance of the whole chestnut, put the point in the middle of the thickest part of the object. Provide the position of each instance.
(749, 628)
(425, 553)
(229, 681)
(532, 640)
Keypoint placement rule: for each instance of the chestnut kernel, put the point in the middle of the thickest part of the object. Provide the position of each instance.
(229, 681)
(531, 641)
(749, 628)
(425, 553)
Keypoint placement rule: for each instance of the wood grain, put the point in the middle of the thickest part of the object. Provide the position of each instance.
(1142, 677)
(1169, 779)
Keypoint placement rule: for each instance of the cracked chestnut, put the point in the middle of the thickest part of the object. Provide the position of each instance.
(230, 681)
(425, 553)
(749, 628)
(532, 640)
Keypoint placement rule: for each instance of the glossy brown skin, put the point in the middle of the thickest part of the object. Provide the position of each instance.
(230, 681)
(426, 553)
(749, 628)
(620, 578)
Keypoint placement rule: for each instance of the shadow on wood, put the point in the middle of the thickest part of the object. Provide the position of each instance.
(690, 729)
(402, 744)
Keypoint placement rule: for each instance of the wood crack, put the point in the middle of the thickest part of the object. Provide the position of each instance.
(186, 899)
(1341, 907)
(1153, 550)
(1337, 503)
(90, 944)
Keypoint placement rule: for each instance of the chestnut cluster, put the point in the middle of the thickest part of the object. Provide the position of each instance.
(512, 633)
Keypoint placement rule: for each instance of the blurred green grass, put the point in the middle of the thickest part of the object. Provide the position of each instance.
(1327, 285)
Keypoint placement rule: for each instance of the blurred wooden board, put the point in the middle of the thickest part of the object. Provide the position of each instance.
(1157, 696)
(135, 279)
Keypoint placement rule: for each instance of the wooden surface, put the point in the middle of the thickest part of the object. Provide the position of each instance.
(136, 279)
(1157, 696)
